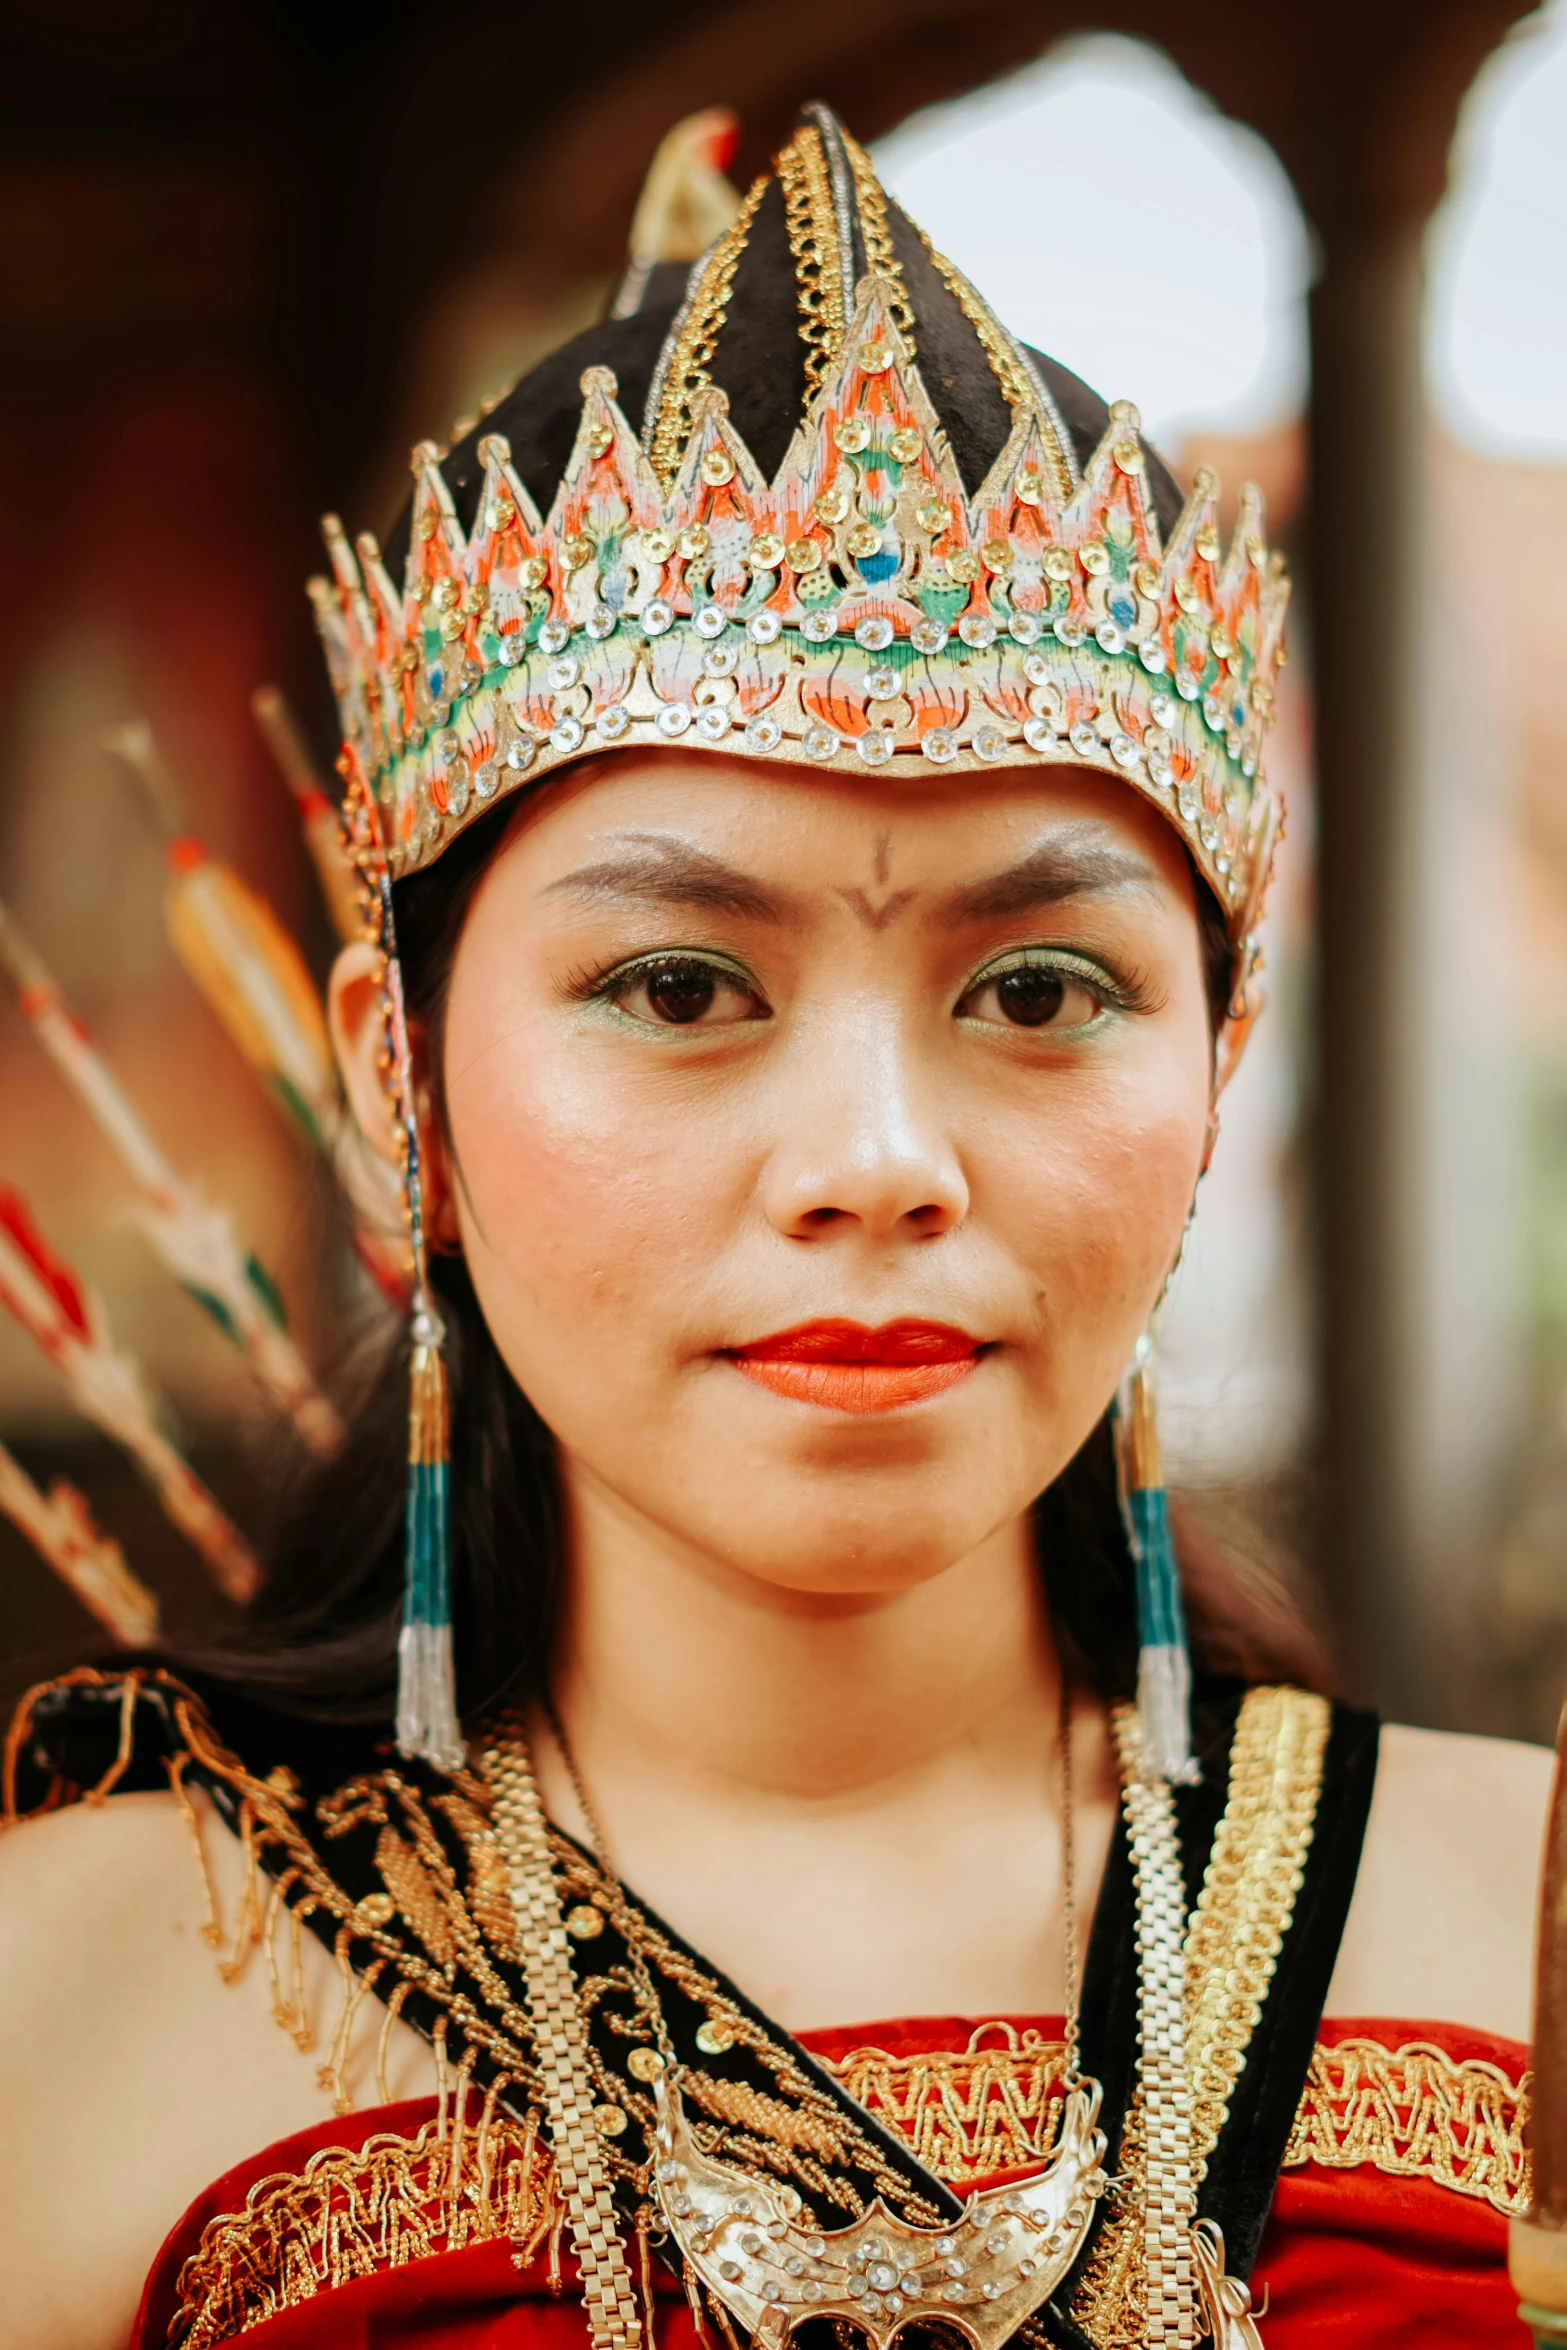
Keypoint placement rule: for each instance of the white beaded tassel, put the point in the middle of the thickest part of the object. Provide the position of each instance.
(1170, 2193)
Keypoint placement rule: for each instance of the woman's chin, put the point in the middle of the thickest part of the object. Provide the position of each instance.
(824, 1561)
(859, 1510)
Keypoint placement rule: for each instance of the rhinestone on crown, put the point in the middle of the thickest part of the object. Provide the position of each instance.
(1043, 619)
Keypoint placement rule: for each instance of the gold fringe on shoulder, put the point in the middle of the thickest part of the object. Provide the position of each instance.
(418, 1936)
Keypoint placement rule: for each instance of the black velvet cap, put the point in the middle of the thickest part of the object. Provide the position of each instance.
(760, 360)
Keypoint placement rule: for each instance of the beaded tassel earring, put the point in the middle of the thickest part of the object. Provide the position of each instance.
(1164, 1672)
(427, 1723)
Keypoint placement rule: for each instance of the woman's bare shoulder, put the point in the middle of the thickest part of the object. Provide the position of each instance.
(127, 2065)
(105, 1842)
(88, 1896)
(1442, 1924)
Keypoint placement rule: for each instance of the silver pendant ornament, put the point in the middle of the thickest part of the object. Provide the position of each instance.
(754, 2248)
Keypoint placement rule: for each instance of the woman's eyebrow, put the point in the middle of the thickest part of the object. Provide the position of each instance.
(1048, 876)
(671, 873)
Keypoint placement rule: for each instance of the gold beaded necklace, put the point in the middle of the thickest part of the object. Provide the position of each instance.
(749, 2241)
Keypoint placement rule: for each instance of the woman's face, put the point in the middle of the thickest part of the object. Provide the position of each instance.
(819, 1148)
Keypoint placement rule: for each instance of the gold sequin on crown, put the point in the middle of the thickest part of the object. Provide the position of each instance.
(860, 613)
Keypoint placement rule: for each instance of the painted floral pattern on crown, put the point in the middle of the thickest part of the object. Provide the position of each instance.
(859, 613)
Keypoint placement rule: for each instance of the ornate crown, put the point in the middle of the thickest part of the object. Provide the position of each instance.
(859, 612)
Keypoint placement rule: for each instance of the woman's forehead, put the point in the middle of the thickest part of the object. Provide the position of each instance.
(647, 810)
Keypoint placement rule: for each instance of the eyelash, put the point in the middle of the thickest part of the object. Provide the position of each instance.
(1115, 995)
(606, 982)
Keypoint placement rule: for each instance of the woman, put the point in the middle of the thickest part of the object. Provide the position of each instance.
(812, 926)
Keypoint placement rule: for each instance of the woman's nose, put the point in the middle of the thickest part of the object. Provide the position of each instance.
(864, 1144)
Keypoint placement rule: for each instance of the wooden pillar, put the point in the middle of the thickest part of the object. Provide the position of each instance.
(1370, 158)
(1363, 559)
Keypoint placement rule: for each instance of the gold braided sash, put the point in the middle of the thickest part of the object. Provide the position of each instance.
(1237, 1929)
(1255, 1871)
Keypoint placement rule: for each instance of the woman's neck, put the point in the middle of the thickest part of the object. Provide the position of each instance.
(686, 1672)
(851, 1805)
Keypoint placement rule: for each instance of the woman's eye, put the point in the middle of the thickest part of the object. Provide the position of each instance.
(1033, 995)
(681, 991)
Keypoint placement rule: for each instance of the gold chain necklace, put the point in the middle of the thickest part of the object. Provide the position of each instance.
(1188, 2292)
(561, 2049)
(749, 2240)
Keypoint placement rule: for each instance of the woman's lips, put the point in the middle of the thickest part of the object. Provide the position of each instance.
(845, 1367)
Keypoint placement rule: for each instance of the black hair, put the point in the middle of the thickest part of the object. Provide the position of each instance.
(321, 1637)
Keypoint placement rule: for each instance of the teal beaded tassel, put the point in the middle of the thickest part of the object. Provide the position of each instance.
(427, 1723)
(1164, 1672)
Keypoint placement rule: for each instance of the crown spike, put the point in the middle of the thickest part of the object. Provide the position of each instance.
(1238, 569)
(502, 480)
(715, 464)
(378, 584)
(1029, 449)
(608, 497)
(1198, 516)
(1110, 523)
(435, 547)
(345, 569)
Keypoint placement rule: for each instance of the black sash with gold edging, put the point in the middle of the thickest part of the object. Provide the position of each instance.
(392, 1865)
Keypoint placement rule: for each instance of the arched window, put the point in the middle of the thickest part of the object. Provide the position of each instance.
(1042, 188)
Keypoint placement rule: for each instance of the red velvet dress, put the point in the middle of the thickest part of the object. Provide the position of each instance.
(402, 2228)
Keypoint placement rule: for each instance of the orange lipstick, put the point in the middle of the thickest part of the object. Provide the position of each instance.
(845, 1367)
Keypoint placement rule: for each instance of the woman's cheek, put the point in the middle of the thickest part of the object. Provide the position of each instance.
(1099, 1214)
(576, 1209)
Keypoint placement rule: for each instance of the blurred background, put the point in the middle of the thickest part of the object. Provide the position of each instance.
(249, 253)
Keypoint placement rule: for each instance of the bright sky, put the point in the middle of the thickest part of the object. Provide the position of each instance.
(1115, 219)
(1496, 319)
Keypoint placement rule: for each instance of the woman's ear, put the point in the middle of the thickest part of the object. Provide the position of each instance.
(357, 1019)
(356, 1015)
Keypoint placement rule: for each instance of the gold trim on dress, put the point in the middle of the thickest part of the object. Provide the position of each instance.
(360, 2211)
(1417, 2113)
(1254, 1872)
(1412, 2112)
(994, 2106)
